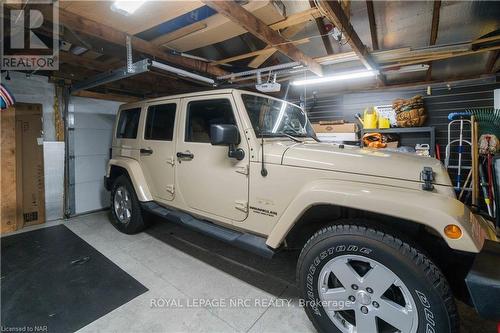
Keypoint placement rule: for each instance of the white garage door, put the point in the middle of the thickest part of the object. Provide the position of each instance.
(93, 126)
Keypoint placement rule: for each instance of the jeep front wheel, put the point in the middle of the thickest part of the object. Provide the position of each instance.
(125, 209)
(354, 278)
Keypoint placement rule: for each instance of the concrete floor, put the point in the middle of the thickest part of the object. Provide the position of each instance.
(183, 267)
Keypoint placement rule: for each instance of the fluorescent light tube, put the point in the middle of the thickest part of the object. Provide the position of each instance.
(410, 69)
(337, 77)
(126, 7)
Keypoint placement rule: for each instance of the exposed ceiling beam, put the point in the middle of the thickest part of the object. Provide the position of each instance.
(290, 26)
(287, 33)
(89, 27)
(99, 66)
(373, 24)
(322, 30)
(267, 51)
(137, 86)
(70, 58)
(414, 84)
(179, 33)
(259, 29)
(297, 18)
(440, 57)
(390, 58)
(106, 96)
(334, 12)
(434, 33)
(492, 60)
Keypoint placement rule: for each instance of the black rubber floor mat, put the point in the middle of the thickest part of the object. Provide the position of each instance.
(53, 280)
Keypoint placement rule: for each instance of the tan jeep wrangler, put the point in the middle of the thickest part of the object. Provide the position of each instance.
(385, 243)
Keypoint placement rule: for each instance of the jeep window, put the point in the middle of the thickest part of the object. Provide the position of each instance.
(202, 114)
(160, 122)
(271, 117)
(128, 123)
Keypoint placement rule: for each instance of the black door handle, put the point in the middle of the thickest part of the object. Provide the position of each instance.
(187, 155)
(146, 151)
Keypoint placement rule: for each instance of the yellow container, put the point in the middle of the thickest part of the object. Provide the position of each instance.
(384, 123)
(370, 118)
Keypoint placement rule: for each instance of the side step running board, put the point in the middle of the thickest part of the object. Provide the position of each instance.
(242, 240)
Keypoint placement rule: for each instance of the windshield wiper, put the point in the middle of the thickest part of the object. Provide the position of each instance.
(306, 135)
(275, 135)
(291, 137)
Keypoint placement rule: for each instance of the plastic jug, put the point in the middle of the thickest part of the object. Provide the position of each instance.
(384, 122)
(370, 118)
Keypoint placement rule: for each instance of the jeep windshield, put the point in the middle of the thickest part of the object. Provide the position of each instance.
(275, 118)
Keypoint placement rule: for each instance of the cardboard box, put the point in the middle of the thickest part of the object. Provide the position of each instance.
(335, 128)
(9, 209)
(393, 144)
(29, 156)
(337, 137)
(22, 176)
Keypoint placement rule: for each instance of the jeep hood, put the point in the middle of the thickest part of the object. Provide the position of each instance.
(371, 162)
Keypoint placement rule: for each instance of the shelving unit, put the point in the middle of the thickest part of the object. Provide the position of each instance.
(402, 130)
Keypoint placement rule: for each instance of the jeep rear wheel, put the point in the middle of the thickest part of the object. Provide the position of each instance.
(125, 209)
(356, 279)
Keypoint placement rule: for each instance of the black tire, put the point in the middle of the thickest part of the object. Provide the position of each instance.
(428, 287)
(135, 223)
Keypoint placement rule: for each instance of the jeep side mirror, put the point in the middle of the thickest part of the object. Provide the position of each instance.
(227, 135)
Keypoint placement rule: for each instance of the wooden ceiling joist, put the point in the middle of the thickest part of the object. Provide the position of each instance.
(267, 51)
(434, 33)
(70, 58)
(289, 27)
(95, 65)
(297, 18)
(492, 60)
(440, 57)
(107, 96)
(373, 24)
(335, 13)
(322, 30)
(259, 29)
(179, 33)
(287, 33)
(89, 27)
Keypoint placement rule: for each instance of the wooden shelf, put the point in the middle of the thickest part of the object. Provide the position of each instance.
(402, 130)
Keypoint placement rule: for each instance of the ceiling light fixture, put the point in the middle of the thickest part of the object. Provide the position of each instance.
(409, 69)
(337, 77)
(126, 7)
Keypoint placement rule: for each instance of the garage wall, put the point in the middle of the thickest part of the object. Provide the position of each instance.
(93, 122)
(34, 89)
(444, 100)
(37, 89)
(459, 96)
(93, 126)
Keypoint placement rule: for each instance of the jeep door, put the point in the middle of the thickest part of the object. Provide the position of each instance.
(209, 181)
(157, 148)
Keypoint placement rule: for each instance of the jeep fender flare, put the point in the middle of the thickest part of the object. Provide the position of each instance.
(135, 174)
(430, 209)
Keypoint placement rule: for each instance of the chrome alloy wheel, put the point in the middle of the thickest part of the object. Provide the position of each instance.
(361, 295)
(123, 205)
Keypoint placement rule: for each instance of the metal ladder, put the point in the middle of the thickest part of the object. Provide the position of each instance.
(459, 123)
